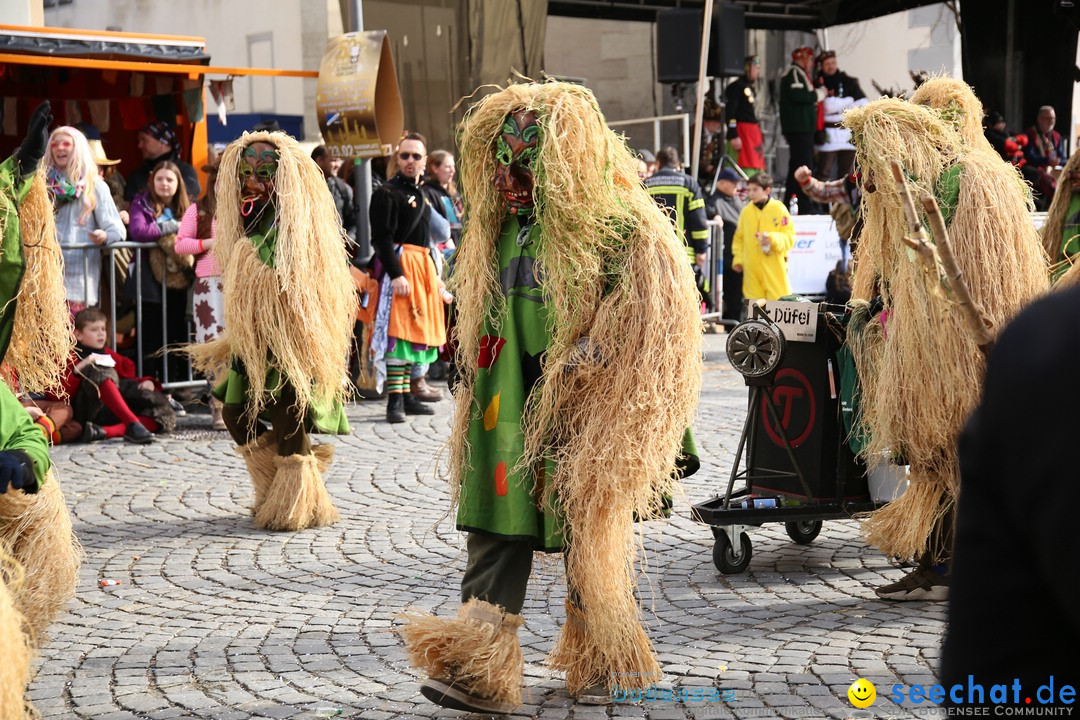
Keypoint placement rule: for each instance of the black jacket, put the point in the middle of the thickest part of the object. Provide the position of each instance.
(399, 215)
(739, 105)
(1013, 610)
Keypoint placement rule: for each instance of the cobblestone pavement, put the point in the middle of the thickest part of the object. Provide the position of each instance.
(215, 619)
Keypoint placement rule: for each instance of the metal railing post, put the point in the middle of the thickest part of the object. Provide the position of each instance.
(112, 294)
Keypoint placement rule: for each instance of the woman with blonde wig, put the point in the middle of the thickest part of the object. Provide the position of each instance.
(579, 358)
(84, 213)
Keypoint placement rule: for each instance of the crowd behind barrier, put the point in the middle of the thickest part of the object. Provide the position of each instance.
(116, 300)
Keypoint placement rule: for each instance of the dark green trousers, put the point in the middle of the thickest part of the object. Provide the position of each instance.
(287, 425)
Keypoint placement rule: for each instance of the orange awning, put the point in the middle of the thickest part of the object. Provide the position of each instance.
(192, 71)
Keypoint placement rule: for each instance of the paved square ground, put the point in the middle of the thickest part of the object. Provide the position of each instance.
(215, 619)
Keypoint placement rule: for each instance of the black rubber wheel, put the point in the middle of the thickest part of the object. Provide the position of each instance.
(803, 531)
(723, 554)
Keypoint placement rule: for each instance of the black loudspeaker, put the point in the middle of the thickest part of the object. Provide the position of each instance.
(678, 43)
(728, 41)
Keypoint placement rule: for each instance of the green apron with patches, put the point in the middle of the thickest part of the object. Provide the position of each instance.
(233, 390)
(495, 500)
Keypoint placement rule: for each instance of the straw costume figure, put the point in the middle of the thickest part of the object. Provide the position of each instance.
(579, 357)
(1061, 231)
(958, 105)
(919, 368)
(289, 309)
(39, 556)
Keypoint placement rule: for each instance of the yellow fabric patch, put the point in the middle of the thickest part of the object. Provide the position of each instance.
(491, 415)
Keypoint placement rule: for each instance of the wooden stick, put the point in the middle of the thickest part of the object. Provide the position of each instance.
(916, 239)
(976, 319)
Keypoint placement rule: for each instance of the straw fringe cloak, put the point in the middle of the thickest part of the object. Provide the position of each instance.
(1055, 221)
(39, 554)
(611, 414)
(924, 372)
(297, 316)
(15, 669)
(41, 340)
(958, 105)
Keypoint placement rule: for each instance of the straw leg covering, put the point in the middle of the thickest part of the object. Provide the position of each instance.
(17, 651)
(589, 660)
(36, 530)
(903, 528)
(297, 498)
(324, 455)
(259, 457)
(478, 650)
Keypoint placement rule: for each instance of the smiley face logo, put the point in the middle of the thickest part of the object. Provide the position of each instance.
(862, 693)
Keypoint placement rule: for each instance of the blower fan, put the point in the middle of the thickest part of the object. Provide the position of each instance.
(755, 348)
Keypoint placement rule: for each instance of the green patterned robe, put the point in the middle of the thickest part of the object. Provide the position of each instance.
(493, 499)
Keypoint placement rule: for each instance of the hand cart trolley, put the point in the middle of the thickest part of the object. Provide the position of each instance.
(800, 469)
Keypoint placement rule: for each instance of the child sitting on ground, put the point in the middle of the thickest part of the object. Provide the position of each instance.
(103, 389)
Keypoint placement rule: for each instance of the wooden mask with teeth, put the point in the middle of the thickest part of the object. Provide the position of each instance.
(516, 152)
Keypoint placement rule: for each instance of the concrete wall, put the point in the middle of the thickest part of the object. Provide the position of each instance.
(616, 61)
(886, 49)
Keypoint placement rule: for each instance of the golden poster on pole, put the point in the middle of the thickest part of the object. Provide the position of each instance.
(358, 102)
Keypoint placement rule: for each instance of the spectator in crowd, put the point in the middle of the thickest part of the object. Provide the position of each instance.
(105, 395)
(1045, 154)
(339, 191)
(198, 230)
(843, 197)
(646, 156)
(798, 118)
(836, 153)
(442, 193)
(84, 212)
(680, 195)
(726, 204)
(158, 143)
(107, 168)
(712, 140)
(763, 239)
(155, 220)
(1010, 146)
(415, 326)
(744, 132)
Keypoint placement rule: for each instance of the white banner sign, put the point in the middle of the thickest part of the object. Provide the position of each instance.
(797, 320)
(816, 252)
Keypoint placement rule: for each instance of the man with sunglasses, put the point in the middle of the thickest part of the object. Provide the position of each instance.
(409, 326)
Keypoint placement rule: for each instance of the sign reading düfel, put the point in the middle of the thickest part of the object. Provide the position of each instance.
(797, 320)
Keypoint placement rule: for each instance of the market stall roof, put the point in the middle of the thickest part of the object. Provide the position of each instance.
(806, 15)
(105, 45)
(106, 50)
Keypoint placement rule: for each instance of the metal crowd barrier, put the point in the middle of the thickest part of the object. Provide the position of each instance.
(108, 256)
(715, 273)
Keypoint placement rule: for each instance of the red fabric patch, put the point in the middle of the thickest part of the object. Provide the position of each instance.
(500, 479)
(784, 221)
(490, 347)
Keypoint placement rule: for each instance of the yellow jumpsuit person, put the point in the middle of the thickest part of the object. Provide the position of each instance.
(763, 238)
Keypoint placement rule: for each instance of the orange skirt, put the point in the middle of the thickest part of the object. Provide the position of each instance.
(418, 317)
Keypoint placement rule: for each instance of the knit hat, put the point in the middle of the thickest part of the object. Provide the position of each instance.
(161, 132)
